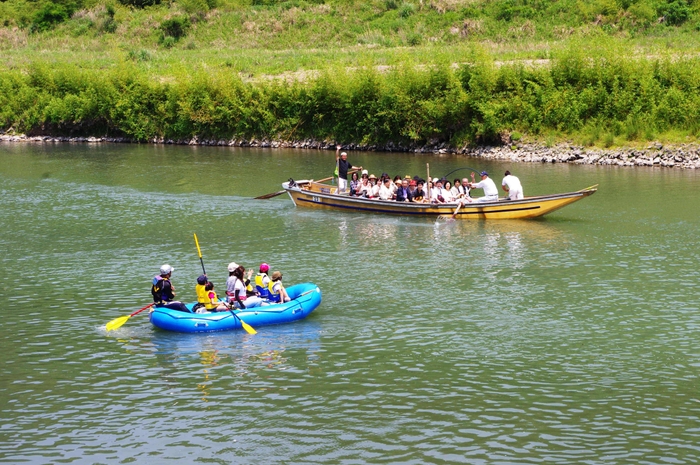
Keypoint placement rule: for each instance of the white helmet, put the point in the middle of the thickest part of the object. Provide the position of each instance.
(166, 269)
(232, 267)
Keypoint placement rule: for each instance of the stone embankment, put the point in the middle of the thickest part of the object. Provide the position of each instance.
(679, 156)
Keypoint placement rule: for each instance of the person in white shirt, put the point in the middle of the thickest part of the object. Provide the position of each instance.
(385, 191)
(364, 189)
(489, 187)
(511, 184)
(437, 193)
(374, 191)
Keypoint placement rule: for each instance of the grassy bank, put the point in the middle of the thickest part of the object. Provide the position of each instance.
(606, 101)
(604, 72)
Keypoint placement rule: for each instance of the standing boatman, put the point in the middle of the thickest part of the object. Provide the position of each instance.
(342, 167)
(511, 184)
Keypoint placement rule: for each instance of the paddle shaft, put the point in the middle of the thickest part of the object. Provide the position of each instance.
(249, 329)
(141, 309)
(200, 253)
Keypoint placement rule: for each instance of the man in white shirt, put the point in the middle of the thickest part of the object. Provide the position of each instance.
(489, 187)
(512, 186)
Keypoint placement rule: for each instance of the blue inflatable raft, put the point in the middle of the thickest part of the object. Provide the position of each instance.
(305, 298)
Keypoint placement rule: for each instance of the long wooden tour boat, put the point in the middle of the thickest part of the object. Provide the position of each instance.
(308, 193)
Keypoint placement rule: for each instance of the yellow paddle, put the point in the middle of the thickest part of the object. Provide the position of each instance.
(249, 329)
(118, 322)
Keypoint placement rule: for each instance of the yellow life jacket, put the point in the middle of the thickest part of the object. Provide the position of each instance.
(260, 285)
(201, 294)
(208, 305)
(274, 295)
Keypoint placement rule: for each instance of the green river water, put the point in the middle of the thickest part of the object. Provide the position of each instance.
(568, 339)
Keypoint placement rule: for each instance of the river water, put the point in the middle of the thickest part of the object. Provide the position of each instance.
(569, 339)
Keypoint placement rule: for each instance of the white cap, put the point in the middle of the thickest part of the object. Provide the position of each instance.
(166, 269)
(365, 172)
(232, 266)
(344, 153)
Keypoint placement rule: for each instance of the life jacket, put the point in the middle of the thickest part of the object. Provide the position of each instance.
(202, 297)
(208, 305)
(274, 294)
(157, 289)
(260, 285)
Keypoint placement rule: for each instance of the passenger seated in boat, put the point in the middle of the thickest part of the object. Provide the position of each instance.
(354, 183)
(437, 192)
(202, 298)
(214, 304)
(164, 292)
(403, 193)
(236, 287)
(385, 191)
(447, 192)
(365, 188)
(277, 291)
(419, 193)
(262, 279)
(396, 184)
(374, 190)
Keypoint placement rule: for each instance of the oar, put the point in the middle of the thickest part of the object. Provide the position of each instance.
(275, 194)
(200, 254)
(444, 217)
(269, 196)
(249, 329)
(119, 322)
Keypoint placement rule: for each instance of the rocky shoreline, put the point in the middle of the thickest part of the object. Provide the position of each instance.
(686, 156)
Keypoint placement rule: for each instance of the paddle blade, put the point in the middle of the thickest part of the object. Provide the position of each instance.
(117, 323)
(248, 329)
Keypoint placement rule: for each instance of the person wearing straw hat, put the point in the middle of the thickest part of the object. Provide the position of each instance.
(277, 291)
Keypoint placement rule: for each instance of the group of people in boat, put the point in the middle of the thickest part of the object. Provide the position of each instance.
(241, 292)
(416, 189)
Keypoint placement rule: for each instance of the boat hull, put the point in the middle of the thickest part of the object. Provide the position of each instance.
(313, 195)
(305, 298)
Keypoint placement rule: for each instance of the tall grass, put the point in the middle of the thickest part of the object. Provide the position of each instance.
(598, 100)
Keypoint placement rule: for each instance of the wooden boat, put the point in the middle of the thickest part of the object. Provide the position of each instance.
(305, 298)
(319, 195)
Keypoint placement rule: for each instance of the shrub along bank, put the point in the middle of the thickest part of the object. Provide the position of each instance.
(604, 100)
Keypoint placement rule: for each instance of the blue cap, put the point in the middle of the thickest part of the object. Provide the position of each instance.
(202, 279)
(484, 173)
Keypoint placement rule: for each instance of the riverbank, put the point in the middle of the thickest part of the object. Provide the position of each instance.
(686, 156)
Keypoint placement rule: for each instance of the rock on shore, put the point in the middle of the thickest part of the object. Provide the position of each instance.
(678, 156)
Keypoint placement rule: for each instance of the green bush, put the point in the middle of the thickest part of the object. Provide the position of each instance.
(139, 3)
(601, 101)
(173, 29)
(675, 12)
(48, 16)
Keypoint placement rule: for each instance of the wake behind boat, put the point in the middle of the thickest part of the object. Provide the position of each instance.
(312, 194)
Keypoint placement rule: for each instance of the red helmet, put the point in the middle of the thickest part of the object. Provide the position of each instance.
(264, 267)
